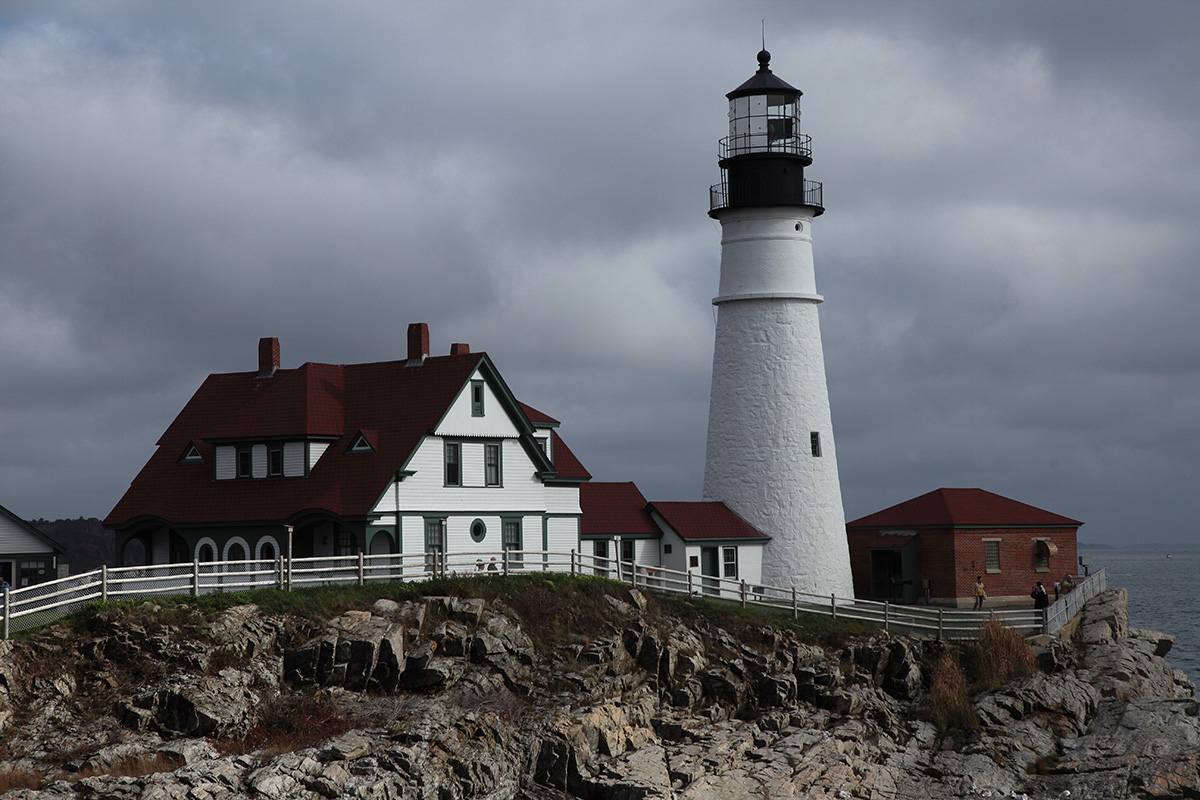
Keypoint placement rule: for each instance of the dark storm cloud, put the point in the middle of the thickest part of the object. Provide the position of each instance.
(1009, 254)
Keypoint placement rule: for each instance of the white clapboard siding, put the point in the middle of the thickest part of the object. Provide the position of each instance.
(315, 451)
(258, 461)
(459, 420)
(226, 462)
(293, 459)
(15, 538)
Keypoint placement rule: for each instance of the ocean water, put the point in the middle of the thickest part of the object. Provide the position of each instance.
(1164, 595)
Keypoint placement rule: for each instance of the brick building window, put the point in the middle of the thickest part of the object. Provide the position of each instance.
(991, 555)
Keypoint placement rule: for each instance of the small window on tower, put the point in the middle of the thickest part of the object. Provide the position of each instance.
(815, 442)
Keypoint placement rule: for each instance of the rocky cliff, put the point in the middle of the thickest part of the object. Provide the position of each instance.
(453, 697)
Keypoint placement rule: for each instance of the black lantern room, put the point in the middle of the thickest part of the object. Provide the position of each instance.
(763, 158)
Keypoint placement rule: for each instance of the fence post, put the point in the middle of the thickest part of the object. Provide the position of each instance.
(196, 578)
(833, 604)
(885, 615)
(104, 583)
(279, 579)
(361, 571)
(689, 583)
(940, 611)
(6, 607)
(743, 593)
(504, 560)
(572, 562)
(795, 606)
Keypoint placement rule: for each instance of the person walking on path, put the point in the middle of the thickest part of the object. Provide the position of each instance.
(980, 593)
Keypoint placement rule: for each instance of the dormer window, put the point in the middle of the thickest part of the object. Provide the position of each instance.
(360, 444)
(191, 455)
(245, 462)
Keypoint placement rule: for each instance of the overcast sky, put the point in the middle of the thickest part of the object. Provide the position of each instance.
(1010, 255)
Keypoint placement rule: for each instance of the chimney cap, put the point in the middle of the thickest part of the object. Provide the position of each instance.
(460, 349)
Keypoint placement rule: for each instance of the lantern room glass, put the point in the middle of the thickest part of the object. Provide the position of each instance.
(765, 123)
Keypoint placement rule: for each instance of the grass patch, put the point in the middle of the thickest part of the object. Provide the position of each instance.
(748, 623)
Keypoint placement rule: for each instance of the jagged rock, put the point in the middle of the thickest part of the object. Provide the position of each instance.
(1104, 619)
(217, 705)
(450, 700)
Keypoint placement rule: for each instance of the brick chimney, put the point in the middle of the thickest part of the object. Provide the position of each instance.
(418, 344)
(460, 349)
(268, 356)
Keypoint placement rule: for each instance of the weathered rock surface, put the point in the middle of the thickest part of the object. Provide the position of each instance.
(450, 698)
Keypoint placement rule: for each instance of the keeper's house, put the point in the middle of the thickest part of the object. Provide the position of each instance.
(408, 456)
(933, 547)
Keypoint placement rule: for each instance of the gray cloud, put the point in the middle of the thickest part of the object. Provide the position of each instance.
(1009, 254)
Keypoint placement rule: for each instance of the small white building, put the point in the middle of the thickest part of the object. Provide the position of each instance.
(704, 539)
(27, 556)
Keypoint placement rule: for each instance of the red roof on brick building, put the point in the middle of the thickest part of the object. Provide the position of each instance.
(953, 508)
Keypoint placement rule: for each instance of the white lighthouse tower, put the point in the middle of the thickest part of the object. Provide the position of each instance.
(771, 456)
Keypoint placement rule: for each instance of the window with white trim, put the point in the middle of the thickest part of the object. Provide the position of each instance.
(729, 562)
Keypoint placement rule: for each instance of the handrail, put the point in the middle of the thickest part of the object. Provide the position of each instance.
(42, 603)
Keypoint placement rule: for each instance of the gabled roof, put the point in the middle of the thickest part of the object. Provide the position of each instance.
(24, 527)
(946, 508)
(394, 404)
(699, 521)
(614, 509)
(566, 465)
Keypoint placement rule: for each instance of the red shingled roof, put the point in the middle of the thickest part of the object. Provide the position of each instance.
(614, 509)
(706, 520)
(398, 405)
(944, 508)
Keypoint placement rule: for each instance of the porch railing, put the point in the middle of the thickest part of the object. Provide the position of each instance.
(43, 603)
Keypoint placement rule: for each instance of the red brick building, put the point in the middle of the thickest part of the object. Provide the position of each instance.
(932, 548)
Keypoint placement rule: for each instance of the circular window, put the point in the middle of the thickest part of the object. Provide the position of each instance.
(478, 530)
(799, 226)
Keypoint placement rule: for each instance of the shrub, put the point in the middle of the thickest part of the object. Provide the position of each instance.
(293, 721)
(1000, 655)
(19, 779)
(951, 707)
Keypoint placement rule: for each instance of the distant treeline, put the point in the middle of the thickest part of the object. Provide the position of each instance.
(87, 544)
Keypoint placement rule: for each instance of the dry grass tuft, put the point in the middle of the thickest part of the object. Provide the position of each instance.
(19, 779)
(1001, 654)
(951, 707)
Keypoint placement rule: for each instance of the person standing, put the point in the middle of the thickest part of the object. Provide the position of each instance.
(1040, 598)
(980, 593)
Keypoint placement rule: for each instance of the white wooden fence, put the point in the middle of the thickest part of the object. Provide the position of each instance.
(42, 603)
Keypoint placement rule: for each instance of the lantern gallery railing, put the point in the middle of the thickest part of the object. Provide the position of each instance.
(767, 141)
(719, 195)
(43, 603)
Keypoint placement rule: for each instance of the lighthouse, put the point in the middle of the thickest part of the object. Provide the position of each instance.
(770, 454)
